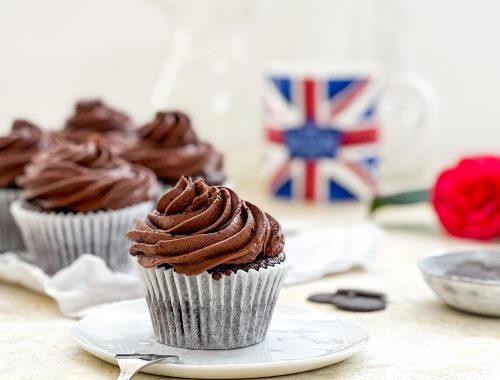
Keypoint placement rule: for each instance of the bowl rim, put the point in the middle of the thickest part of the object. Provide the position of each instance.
(451, 277)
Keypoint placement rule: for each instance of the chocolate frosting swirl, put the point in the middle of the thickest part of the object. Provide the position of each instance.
(169, 129)
(85, 177)
(118, 142)
(17, 149)
(170, 148)
(93, 116)
(197, 227)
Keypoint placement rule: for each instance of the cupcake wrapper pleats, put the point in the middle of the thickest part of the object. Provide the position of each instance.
(10, 236)
(202, 313)
(58, 239)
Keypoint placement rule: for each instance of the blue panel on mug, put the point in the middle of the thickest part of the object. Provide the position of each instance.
(312, 142)
(337, 86)
(368, 114)
(338, 192)
(372, 161)
(284, 86)
(285, 190)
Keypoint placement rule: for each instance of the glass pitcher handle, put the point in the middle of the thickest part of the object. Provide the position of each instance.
(408, 111)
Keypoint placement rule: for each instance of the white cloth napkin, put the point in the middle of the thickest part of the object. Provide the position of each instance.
(79, 288)
(315, 252)
(88, 283)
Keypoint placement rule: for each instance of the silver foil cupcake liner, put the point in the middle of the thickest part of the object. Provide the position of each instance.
(202, 313)
(57, 239)
(10, 236)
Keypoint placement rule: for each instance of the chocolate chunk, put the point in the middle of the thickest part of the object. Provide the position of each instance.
(359, 292)
(321, 298)
(352, 299)
(477, 270)
(358, 303)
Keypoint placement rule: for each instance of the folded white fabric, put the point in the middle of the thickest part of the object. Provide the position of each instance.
(88, 283)
(315, 252)
(79, 288)
(16, 270)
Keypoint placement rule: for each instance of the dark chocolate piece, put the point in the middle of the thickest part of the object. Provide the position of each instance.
(358, 303)
(321, 298)
(352, 299)
(360, 292)
(476, 270)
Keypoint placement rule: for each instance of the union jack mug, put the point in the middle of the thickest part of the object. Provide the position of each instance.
(323, 128)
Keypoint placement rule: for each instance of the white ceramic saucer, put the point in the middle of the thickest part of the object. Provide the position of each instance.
(298, 340)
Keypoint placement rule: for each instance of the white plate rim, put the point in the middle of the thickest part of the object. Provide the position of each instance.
(252, 370)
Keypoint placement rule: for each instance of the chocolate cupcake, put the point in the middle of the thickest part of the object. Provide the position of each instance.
(81, 198)
(211, 265)
(169, 147)
(94, 117)
(16, 149)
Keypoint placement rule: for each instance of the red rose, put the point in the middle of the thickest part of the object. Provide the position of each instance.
(467, 198)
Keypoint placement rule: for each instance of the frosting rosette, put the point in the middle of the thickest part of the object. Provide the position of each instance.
(169, 147)
(197, 227)
(170, 129)
(17, 149)
(211, 265)
(85, 177)
(95, 116)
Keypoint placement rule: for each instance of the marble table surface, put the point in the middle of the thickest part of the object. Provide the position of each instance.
(416, 337)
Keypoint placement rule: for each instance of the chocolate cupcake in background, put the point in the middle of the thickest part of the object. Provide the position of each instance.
(95, 117)
(81, 198)
(16, 149)
(211, 265)
(169, 147)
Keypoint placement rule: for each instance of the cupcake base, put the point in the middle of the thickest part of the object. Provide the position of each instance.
(200, 312)
(58, 239)
(10, 236)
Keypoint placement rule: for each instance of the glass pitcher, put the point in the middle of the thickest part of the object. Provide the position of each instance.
(210, 70)
(219, 50)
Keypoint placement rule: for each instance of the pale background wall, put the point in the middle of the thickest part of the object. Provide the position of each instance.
(55, 51)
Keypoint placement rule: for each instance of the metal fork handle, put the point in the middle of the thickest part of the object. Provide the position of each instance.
(131, 364)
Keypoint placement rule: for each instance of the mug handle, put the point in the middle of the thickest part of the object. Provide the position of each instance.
(409, 109)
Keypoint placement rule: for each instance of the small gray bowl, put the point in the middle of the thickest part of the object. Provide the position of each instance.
(463, 291)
